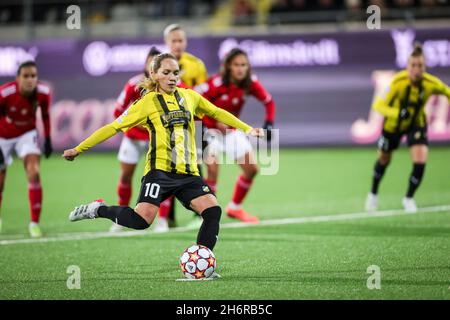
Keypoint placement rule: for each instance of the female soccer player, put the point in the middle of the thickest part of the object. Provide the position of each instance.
(135, 140)
(227, 90)
(403, 107)
(171, 165)
(19, 101)
(192, 72)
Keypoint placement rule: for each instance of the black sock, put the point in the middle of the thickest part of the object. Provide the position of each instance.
(415, 178)
(125, 216)
(209, 230)
(378, 172)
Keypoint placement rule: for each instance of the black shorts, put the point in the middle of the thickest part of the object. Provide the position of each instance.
(159, 185)
(390, 141)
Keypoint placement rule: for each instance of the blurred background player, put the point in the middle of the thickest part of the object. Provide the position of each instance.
(228, 90)
(192, 72)
(19, 101)
(192, 69)
(403, 108)
(135, 140)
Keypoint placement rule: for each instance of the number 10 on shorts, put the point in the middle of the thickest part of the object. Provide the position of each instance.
(152, 190)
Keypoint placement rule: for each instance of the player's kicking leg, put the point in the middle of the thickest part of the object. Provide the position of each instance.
(124, 190)
(139, 218)
(129, 154)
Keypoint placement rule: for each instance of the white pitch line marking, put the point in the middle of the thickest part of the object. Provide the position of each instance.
(231, 225)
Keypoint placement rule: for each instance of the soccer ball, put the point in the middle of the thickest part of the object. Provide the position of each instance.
(197, 262)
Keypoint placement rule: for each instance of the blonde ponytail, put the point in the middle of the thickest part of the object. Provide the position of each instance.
(148, 85)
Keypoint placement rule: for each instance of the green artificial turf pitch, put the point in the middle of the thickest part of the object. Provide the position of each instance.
(327, 259)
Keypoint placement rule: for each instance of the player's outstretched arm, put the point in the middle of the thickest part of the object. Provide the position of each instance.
(102, 134)
(134, 116)
(229, 119)
(206, 107)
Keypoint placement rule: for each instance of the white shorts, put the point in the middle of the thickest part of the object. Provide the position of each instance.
(235, 143)
(23, 145)
(131, 150)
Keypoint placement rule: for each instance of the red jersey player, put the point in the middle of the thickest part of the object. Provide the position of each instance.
(19, 101)
(135, 141)
(227, 90)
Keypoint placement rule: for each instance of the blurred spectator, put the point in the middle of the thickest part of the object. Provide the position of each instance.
(11, 13)
(380, 3)
(302, 5)
(280, 6)
(52, 11)
(323, 5)
(428, 3)
(402, 3)
(243, 12)
(353, 5)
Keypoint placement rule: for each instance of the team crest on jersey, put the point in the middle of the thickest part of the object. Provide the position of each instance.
(176, 117)
(206, 189)
(417, 135)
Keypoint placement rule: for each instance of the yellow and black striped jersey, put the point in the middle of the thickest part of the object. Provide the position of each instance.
(401, 94)
(169, 118)
(192, 70)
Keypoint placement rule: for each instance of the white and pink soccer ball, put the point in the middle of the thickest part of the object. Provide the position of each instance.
(197, 262)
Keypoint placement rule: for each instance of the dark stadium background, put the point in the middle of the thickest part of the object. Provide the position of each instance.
(321, 80)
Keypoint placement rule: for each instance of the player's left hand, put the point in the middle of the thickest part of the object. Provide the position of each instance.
(48, 149)
(257, 132)
(268, 126)
(70, 154)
